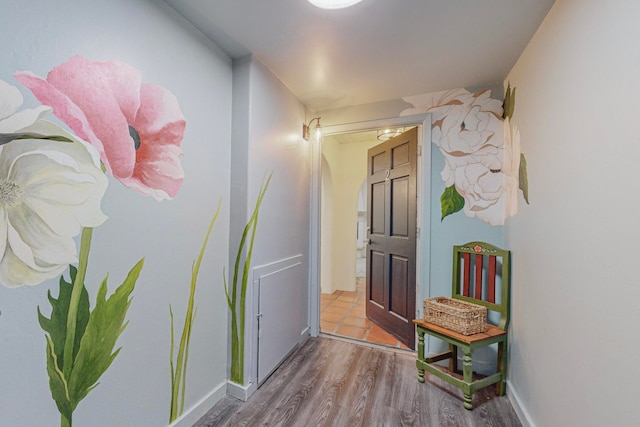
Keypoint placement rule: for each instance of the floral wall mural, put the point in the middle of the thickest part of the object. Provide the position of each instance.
(83, 85)
(484, 168)
(237, 293)
(136, 127)
(53, 182)
(178, 363)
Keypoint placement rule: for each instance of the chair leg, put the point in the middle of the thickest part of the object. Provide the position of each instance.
(501, 386)
(467, 375)
(420, 355)
(453, 362)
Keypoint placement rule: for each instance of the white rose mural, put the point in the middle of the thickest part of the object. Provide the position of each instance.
(484, 168)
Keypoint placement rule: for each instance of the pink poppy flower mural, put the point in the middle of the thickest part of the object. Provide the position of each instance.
(136, 127)
(52, 186)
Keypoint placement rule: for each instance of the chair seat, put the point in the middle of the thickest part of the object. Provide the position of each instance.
(491, 333)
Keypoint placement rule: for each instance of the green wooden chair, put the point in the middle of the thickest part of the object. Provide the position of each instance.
(475, 268)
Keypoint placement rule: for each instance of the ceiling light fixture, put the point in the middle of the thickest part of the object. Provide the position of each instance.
(385, 134)
(305, 129)
(333, 4)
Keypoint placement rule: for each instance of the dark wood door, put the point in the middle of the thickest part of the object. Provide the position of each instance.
(391, 226)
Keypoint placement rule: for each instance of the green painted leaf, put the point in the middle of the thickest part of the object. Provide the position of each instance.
(8, 137)
(238, 316)
(179, 369)
(512, 105)
(106, 323)
(56, 325)
(451, 201)
(507, 100)
(509, 103)
(57, 383)
(523, 178)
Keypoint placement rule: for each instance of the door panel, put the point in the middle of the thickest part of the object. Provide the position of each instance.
(378, 202)
(399, 208)
(379, 162)
(377, 275)
(400, 155)
(391, 254)
(400, 284)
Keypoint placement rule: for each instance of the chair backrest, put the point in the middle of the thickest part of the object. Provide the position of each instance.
(476, 266)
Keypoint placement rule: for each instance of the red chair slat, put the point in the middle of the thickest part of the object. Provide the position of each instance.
(478, 291)
(467, 274)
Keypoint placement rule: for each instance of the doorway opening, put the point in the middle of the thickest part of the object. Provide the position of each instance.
(346, 232)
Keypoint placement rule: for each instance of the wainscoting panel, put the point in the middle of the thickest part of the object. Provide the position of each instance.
(281, 315)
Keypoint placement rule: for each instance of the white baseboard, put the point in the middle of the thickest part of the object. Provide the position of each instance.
(304, 335)
(521, 411)
(198, 410)
(241, 392)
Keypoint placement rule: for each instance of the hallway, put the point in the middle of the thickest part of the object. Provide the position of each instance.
(329, 383)
(342, 313)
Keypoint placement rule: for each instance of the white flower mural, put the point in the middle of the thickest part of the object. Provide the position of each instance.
(49, 191)
(52, 182)
(484, 168)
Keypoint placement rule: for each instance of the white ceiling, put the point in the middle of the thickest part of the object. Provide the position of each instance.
(376, 50)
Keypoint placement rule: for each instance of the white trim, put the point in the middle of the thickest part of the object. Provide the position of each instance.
(197, 411)
(241, 392)
(424, 212)
(314, 239)
(400, 121)
(518, 407)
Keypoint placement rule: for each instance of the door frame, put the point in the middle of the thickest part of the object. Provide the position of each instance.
(423, 246)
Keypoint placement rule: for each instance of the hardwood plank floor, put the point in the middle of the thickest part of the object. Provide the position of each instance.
(335, 383)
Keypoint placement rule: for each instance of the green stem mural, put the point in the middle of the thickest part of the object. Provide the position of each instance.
(80, 342)
(237, 306)
(78, 286)
(179, 368)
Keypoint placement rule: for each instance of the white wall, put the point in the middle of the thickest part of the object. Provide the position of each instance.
(276, 144)
(574, 350)
(326, 229)
(348, 165)
(38, 35)
(271, 140)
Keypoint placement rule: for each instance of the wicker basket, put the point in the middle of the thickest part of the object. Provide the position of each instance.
(459, 316)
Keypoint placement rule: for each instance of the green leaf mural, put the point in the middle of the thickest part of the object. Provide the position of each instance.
(509, 103)
(179, 367)
(106, 323)
(58, 385)
(237, 306)
(96, 333)
(451, 202)
(56, 326)
(523, 179)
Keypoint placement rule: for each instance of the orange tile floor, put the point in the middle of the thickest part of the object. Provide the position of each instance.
(343, 313)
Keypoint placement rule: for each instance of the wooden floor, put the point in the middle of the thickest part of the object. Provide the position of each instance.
(333, 382)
